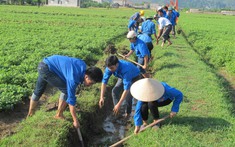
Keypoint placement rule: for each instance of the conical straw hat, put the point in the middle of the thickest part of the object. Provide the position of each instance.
(147, 90)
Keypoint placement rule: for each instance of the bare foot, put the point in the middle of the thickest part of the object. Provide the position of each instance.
(170, 43)
(162, 45)
(137, 129)
(59, 117)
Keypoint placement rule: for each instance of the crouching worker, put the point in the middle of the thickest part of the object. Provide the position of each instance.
(127, 74)
(152, 94)
(65, 73)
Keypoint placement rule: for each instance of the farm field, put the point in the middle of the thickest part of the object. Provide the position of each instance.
(29, 33)
(212, 36)
(206, 116)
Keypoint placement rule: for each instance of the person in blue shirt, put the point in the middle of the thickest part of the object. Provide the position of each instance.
(162, 95)
(165, 10)
(177, 14)
(141, 50)
(148, 27)
(164, 28)
(127, 74)
(66, 74)
(172, 17)
(135, 20)
(148, 41)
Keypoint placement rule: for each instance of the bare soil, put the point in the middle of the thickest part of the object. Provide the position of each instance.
(10, 119)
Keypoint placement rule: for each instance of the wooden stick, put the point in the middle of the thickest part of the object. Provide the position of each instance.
(129, 59)
(150, 125)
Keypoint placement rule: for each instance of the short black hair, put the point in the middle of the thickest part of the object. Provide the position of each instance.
(111, 60)
(161, 10)
(165, 7)
(95, 74)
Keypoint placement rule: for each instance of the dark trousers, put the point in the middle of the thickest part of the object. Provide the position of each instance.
(46, 76)
(150, 46)
(166, 33)
(116, 93)
(153, 106)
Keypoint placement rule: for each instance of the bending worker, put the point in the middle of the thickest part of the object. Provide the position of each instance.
(65, 73)
(141, 50)
(127, 74)
(152, 94)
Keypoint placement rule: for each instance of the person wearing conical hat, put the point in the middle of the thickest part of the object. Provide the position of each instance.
(152, 94)
(127, 73)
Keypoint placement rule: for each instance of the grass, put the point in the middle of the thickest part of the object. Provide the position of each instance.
(40, 130)
(43, 130)
(205, 117)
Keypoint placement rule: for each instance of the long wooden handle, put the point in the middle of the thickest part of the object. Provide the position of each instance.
(154, 123)
(129, 60)
(150, 125)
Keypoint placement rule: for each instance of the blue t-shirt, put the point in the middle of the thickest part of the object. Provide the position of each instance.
(171, 17)
(176, 13)
(125, 70)
(170, 93)
(144, 37)
(133, 25)
(148, 27)
(140, 48)
(135, 16)
(70, 70)
(164, 13)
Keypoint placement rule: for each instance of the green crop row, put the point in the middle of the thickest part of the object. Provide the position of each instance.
(10, 95)
(28, 34)
(212, 36)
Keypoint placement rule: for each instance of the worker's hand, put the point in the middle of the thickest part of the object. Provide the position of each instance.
(116, 108)
(76, 124)
(137, 129)
(172, 114)
(101, 102)
(126, 56)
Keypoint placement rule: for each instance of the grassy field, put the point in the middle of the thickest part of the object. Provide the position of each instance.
(206, 116)
(212, 36)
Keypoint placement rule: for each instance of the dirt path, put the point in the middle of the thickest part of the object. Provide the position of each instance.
(10, 119)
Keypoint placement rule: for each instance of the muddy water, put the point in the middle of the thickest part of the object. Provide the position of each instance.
(114, 127)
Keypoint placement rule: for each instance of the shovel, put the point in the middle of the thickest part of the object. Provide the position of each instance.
(150, 125)
(80, 137)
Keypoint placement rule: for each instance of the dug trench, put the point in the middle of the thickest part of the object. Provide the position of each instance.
(101, 128)
(98, 128)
